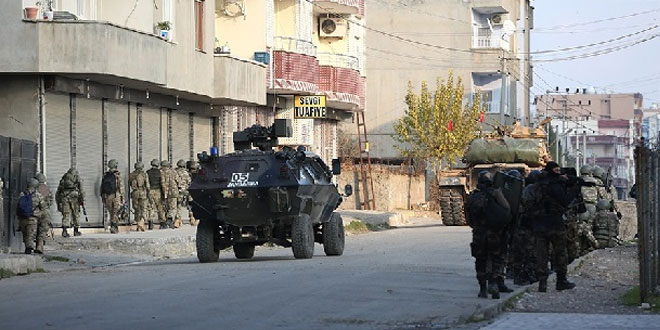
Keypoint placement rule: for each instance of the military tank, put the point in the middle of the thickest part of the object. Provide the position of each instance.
(256, 195)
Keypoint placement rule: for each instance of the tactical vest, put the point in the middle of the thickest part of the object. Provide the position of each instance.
(589, 194)
(154, 178)
(45, 192)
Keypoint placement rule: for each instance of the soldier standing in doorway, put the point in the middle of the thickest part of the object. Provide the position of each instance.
(156, 195)
(112, 193)
(30, 210)
(69, 197)
(45, 220)
(184, 197)
(139, 182)
(169, 184)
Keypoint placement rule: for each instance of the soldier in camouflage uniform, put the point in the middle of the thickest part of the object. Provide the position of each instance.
(169, 184)
(28, 225)
(69, 197)
(184, 197)
(524, 261)
(113, 196)
(139, 182)
(45, 220)
(156, 194)
(606, 190)
(606, 225)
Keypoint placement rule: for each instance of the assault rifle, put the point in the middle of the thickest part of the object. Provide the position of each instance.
(608, 185)
(84, 208)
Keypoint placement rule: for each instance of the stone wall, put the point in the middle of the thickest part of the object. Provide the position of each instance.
(628, 225)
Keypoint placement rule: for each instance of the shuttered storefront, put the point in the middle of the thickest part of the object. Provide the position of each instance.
(165, 147)
(117, 137)
(58, 144)
(89, 156)
(150, 135)
(180, 137)
(202, 134)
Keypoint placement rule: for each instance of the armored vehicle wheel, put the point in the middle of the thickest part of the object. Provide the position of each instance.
(206, 251)
(243, 250)
(333, 235)
(302, 237)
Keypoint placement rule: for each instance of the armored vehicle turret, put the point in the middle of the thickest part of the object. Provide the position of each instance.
(257, 195)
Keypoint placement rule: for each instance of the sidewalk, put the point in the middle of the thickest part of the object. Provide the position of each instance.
(526, 321)
(19, 264)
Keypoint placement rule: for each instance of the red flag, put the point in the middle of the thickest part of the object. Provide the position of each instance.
(450, 126)
(481, 117)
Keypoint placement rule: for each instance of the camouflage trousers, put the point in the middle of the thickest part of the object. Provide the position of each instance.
(522, 251)
(556, 238)
(172, 208)
(140, 207)
(157, 209)
(587, 240)
(29, 230)
(112, 204)
(43, 225)
(488, 250)
(70, 213)
(184, 203)
(572, 239)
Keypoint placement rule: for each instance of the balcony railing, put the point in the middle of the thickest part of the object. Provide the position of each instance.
(352, 7)
(339, 61)
(293, 45)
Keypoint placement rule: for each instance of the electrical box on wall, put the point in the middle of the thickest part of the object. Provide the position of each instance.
(332, 27)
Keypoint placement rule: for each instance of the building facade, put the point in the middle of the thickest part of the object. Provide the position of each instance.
(164, 79)
(482, 42)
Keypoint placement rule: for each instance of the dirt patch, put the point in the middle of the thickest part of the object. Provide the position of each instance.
(602, 277)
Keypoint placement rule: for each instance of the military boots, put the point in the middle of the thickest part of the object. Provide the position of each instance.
(483, 289)
(76, 232)
(501, 286)
(543, 285)
(163, 225)
(564, 284)
(493, 289)
(114, 228)
(40, 247)
(28, 250)
(65, 233)
(151, 225)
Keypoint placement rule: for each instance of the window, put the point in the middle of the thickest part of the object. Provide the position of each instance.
(199, 25)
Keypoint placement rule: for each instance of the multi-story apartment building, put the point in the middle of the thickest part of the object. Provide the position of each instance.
(482, 41)
(585, 102)
(651, 124)
(163, 79)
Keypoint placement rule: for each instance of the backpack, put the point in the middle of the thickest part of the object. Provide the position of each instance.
(109, 183)
(498, 216)
(24, 208)
(475, 207)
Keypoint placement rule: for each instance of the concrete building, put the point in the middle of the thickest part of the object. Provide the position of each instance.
(482, 41)
(651, 123)
(164, 79)
(585, 103)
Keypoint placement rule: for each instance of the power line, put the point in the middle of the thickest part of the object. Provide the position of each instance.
(566, 26)
(599, 52)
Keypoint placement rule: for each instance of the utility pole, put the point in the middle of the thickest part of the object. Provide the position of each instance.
(529, 19)
(503, 89)
(584, 145)
(577, 151)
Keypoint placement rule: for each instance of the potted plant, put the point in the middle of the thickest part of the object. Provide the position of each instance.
(32, 12)
(164, 28)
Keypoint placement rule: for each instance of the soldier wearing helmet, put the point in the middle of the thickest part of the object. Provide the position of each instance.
(184, 197)
(488, 237)
(156, 194)
(169, 185)
(139, 182)
(30, 209)
(524, 259)
(69, 196)
(44, 221)
(112, 193)
(606, 225)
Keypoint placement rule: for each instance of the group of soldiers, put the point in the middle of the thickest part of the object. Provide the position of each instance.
(158, 193)
(519, 223)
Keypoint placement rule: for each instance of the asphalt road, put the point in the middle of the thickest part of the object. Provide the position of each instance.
(416, 276)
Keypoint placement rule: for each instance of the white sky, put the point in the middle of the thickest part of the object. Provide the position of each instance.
(635, 69)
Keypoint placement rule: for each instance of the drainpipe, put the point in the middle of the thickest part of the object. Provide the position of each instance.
(41, 161)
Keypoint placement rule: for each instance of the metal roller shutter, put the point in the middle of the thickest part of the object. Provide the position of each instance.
(165, 147)
(202, 130)
(58, 145)
(150, 135)
(89, 142)
(117, 148)
(180, 136)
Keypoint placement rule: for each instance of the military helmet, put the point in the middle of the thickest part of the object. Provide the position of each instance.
(603, 205)
(33, 183)
(485, 177)
(73, 171)
(181, 163)
(40, 177)
(586, 169)
(138, 165)
(598, 172)
(155, 162)
(533, 177)
(164, 164)
(112, 164)
(514, 173)
(191, 165)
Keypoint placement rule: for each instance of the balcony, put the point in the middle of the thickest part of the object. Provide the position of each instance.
(487, 39)
(352, 7)
(295, 67)
(233, 75)
(341, 82)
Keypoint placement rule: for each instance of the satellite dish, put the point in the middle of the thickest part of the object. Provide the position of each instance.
(234, 8)
(508, 27)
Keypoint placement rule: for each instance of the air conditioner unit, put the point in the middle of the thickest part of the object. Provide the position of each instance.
(332, 27)
(497, 19)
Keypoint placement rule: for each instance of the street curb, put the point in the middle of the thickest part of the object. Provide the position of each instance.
(18, 264)
(490, 312)
(161, 247)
